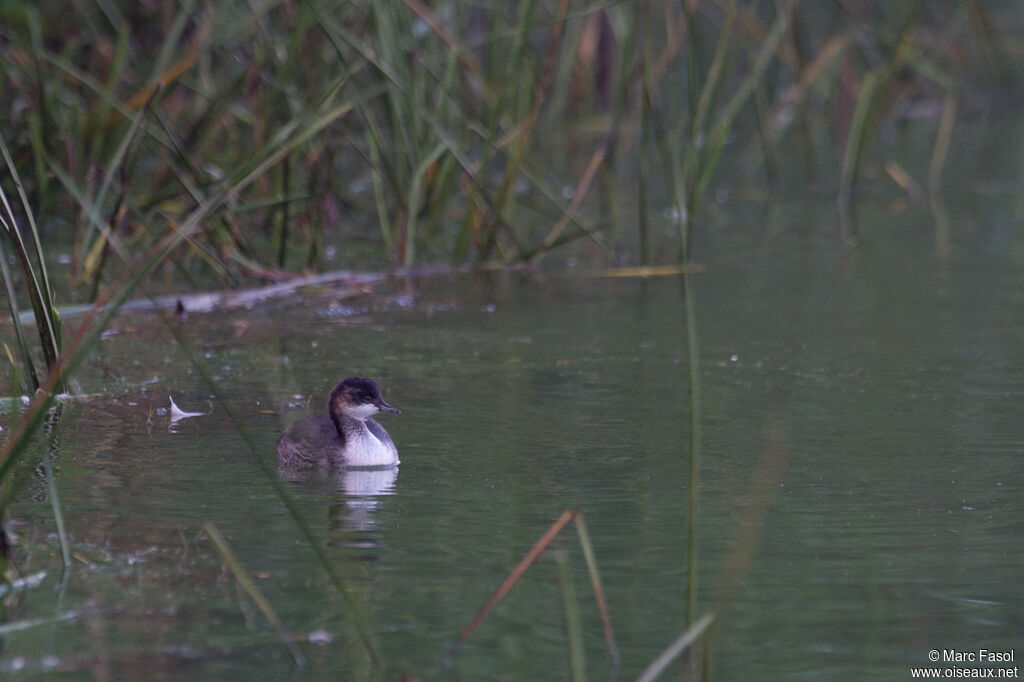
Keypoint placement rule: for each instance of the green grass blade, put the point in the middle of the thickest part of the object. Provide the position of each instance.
(942, 141)
(51, 486)
(715, 71)
(172, 39)
(696, 439)
(415, 199)
(220, 543)
(40, 293)
(854, 144)
(383, 221)
(573, 623)
(27, 366)
(597, 585)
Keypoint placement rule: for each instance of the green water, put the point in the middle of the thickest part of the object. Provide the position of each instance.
(861, 495)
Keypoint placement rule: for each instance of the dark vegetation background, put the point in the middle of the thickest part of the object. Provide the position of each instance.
(372, 134)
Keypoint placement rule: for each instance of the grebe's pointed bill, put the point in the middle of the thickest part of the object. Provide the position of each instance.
(384, 407)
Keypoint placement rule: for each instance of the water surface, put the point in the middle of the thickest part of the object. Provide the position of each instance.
(861, 492)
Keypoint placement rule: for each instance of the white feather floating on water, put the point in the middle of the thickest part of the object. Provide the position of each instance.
(177, 414)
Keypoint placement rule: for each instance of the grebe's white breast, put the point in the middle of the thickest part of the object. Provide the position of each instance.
(364, 448)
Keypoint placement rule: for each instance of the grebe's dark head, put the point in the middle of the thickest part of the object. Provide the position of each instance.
(357, 397)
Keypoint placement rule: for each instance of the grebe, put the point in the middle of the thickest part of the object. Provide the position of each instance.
(348, 437)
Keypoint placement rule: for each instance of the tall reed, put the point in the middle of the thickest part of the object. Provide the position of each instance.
(33, 266)
(475, 135)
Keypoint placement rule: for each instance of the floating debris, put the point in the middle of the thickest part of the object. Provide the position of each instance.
(320, 637)
(28, 582)
(177, 414)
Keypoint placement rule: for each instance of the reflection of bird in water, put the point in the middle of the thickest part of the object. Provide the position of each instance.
(364, 490)
(359, 493)
(349, 437)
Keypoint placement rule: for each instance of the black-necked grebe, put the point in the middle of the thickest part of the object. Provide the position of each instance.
(348, 437)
